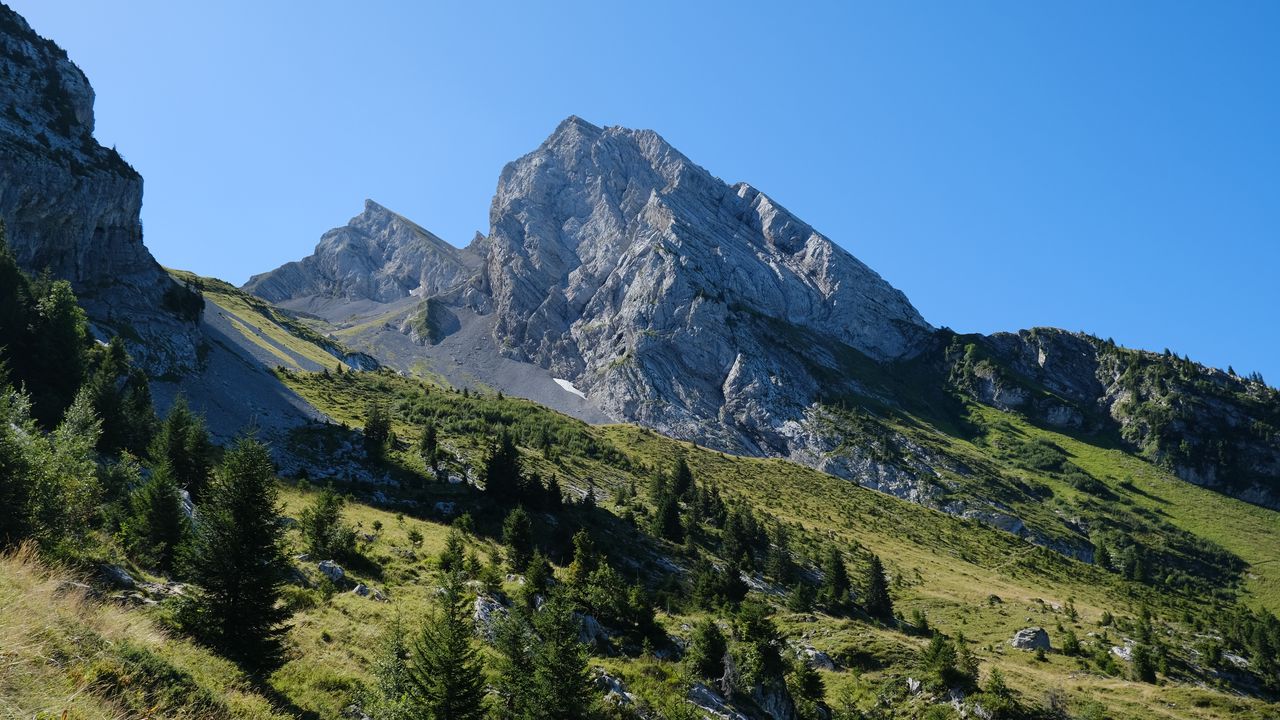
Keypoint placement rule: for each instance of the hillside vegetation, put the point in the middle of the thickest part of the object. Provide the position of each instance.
(443, 552)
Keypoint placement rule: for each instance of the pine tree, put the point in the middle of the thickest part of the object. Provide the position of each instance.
(876, 598)
(377, 431)
(67, 489)
(237, 560)
(585, 561)
(514, 641)
(429, 447)
(388, 699)
(966, 663)
(157, 528)
(445, 677)
(61, 342)
(682, 479)
(780, 565)
(322, 528)
(502, 478)
(517, 536)
(453, 554)
(835, 581)
(17, 482)
(666, 520)
(705, 654)
(1144, 666)
(183, 444)
(562, 685)
(122, 398)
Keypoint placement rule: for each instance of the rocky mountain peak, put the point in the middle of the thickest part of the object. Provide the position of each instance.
(378, 255)
(623, 213)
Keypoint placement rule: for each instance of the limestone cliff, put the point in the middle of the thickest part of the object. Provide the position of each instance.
(72, 206)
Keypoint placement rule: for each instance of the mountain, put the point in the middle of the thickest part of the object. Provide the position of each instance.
(621, 281)
(72, 206)
(1025, 525)
(633, 276)
(378, 256)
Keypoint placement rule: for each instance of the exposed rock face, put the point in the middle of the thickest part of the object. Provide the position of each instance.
(609, 244)
(377, 256)
(1209, 427)
(620, 268)
(617, 263)
(72, 206)
(621, 281)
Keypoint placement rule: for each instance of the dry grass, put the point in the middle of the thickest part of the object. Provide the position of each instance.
(66, 655)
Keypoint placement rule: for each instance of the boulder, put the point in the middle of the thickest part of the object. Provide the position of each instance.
(1032, 638)
(712, 704)
(331, 570)
(591, 632)
(818, 659)
(485, 613)
(117, 576)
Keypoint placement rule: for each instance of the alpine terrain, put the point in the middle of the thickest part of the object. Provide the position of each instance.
(651, 447)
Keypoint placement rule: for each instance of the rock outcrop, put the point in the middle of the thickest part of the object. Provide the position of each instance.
(72, 206)
(1209, 427)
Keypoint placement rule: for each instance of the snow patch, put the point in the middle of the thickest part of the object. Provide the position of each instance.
(568, 387)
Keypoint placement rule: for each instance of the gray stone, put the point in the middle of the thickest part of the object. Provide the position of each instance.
(1032, 638)
(331, 570)
(72, 206)
(117, 576)
(485, 612)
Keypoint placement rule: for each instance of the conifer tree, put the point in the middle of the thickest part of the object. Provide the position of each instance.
(513, 683)
(517, 536)
(377, 431)
(780, 564)
(157, 528)
(666, 520)
(835, 580)
(445, 677)
(502, 478)
(389, 698)
(707, 647)
(562, 686)
(60, 342)
(183, 444)
(122, 398)
(429, 447)
(876, 598)
(237, 560)
(682, 479)
(322, 528)
(585, 561)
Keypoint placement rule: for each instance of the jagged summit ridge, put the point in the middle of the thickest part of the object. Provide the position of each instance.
(616, 263)
(379, 255)
(596, 220)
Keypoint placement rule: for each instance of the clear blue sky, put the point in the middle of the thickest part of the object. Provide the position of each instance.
(1111, 167)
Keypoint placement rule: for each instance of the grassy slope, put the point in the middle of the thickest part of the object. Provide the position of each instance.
(64, 656)
(294, 344)
(944, 566)
(1247, 530)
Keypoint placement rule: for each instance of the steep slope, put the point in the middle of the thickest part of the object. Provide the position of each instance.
(1207, 426)
(620, 280)
(378, 256)
(626, 273)
(72, 206)
(619, 264)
